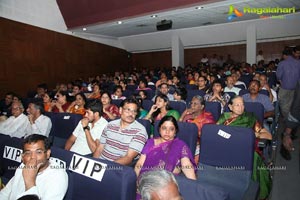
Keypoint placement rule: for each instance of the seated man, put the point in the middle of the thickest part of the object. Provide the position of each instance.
(164, 89)
(230, 86)
(39, 123)
(89, 129)
(254, 96)
(37, 175)
(15, 125)
(123, 139)
(158, 184)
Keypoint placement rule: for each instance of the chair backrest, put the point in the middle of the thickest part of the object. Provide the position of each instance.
(264, 92)
(226, 158)
(243, 91)
(117, 102)
(147, 104)
(192, 93)
(231, 94)
(191, 189)
(178, 105)
(257, 109)
(240, 86)
(214, 108)
(91, 178)
(11, 154)
(147, 125)
(63, 124)
(188, 132)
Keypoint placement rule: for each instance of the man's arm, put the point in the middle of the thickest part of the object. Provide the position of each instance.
(70, 142)
(99, 149)
(91, 142)
(128, 158)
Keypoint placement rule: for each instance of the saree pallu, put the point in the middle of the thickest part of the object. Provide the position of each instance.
(260, 173)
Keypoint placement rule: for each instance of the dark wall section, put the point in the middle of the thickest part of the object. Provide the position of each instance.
(152, 60)
(30, 55)
(271, 51)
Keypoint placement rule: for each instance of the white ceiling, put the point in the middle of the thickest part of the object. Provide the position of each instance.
(214, 13)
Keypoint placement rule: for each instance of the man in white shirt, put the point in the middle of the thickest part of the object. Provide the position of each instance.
(39, 123)
(15, 125)
(230, 86)
(89, 129)
(37, 175)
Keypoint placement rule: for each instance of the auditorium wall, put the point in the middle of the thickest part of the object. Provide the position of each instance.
(271, 51)
(30, 55)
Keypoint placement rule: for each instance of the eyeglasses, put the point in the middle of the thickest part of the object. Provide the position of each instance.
(38, 152)
(128, 110)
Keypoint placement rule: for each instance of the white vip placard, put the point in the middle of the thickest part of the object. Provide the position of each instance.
(88, 167)
(224, 134)
(13, 153)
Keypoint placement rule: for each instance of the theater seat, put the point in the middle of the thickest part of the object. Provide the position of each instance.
(118, 181)
(226, 160)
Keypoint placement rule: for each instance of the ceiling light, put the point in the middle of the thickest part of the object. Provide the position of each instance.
(154, 16)
(199, 7)
(84, 29)
(119, 22)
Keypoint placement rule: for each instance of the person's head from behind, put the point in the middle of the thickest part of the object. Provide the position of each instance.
(93, 110)
(17, 109)
(236, 105)
(180, 94)
(36, 151)
(158, 185)
(162, 101)
(129, 109)
(35, 109)
(168, 128)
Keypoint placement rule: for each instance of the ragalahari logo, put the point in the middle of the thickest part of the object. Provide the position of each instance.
(233, 13)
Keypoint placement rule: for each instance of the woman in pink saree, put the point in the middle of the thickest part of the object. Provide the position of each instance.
(167, 152)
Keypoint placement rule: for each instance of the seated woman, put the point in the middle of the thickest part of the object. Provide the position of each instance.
(110, 111)
(96, 92)
(61, 104)
(216, 94)
(160, 109)
(238, 117)
(167, 152)
(197, 115)
(118, 93)
(47, 99)
(77, 106)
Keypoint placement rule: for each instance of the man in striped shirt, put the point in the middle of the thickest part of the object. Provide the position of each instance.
(123, 139)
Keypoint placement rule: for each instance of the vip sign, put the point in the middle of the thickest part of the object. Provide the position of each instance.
(12, 153)
(88, 167)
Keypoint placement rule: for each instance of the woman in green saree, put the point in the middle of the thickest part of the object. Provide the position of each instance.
(238, 117)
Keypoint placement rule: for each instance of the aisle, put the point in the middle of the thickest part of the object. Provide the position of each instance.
(286, 180)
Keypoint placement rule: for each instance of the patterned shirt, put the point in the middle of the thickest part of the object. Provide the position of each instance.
(117, 141)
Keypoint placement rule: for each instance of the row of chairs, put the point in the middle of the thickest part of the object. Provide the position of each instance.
(224, 171)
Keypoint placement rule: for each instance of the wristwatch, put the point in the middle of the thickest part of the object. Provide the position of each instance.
(86, 128)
